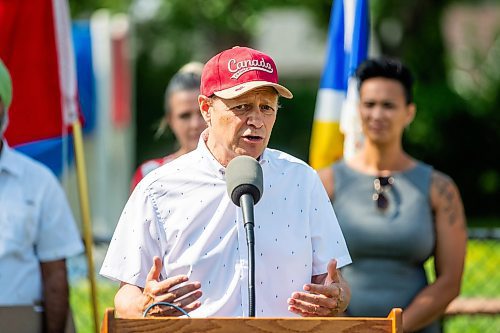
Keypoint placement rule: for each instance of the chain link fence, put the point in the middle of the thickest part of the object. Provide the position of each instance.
(480, 285)
(481, 281)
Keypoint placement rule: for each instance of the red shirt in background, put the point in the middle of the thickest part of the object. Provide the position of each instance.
(147, 167)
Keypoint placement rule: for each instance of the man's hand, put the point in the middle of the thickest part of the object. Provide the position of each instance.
(321, 299)
(155, 291)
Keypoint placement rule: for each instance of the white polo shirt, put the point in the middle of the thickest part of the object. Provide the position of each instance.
(36, 225)
(182, 213)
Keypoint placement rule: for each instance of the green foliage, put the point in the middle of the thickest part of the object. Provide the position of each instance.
(292, 130)
(449, 135)
(83, 9)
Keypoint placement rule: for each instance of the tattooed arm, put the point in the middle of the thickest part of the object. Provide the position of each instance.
(451, 237)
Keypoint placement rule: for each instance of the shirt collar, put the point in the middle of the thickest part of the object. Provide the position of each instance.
(212, 162)
(8, 161)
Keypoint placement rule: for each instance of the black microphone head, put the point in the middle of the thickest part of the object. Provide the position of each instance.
(244, 176)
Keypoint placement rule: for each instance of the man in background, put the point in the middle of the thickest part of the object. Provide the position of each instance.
(37, 234)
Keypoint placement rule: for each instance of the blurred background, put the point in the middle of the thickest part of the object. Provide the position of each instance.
(452, 46)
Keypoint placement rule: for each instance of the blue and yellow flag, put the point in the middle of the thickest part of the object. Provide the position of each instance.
(347, 47)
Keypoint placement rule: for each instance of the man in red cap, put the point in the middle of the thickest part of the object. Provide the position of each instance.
(180, 218)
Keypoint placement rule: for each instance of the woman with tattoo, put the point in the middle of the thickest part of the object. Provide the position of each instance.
(395, 211)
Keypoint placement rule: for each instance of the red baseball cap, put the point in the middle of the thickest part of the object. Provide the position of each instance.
(238, 70)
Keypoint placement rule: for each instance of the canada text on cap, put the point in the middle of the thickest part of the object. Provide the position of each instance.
(235, 71)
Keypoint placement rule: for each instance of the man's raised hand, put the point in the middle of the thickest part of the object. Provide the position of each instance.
(175, 290)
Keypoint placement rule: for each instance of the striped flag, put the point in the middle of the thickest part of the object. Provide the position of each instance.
(82, 42)
(347, 47)
(36, 46)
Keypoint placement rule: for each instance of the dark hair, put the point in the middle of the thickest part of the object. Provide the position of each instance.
(388, 68)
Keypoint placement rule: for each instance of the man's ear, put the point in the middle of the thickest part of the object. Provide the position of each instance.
(205, 108)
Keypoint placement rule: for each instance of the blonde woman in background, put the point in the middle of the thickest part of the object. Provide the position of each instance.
(182, 116)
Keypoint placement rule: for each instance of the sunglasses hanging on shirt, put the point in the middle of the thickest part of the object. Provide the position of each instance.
(382, 186)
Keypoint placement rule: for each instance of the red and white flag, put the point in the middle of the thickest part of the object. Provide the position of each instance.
(36, 47)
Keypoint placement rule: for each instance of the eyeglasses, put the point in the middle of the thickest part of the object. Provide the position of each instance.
(382, 186)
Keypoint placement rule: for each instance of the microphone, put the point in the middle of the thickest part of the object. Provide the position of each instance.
(244, 176)
(245, 185)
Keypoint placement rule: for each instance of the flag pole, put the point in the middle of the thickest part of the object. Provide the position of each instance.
(85, 214)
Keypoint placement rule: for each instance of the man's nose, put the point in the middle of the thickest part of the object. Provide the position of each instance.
(377, 111)
(255, 117)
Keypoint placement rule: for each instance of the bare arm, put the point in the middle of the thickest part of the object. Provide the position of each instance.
(451, 238)
(55, 294)
(327, 178)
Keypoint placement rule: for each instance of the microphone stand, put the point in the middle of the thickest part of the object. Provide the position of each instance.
(246, 204)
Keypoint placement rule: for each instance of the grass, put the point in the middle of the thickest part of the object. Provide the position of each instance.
(81, 303)
(481, 279)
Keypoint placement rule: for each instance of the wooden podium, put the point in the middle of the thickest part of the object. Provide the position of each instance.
(393, 323)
